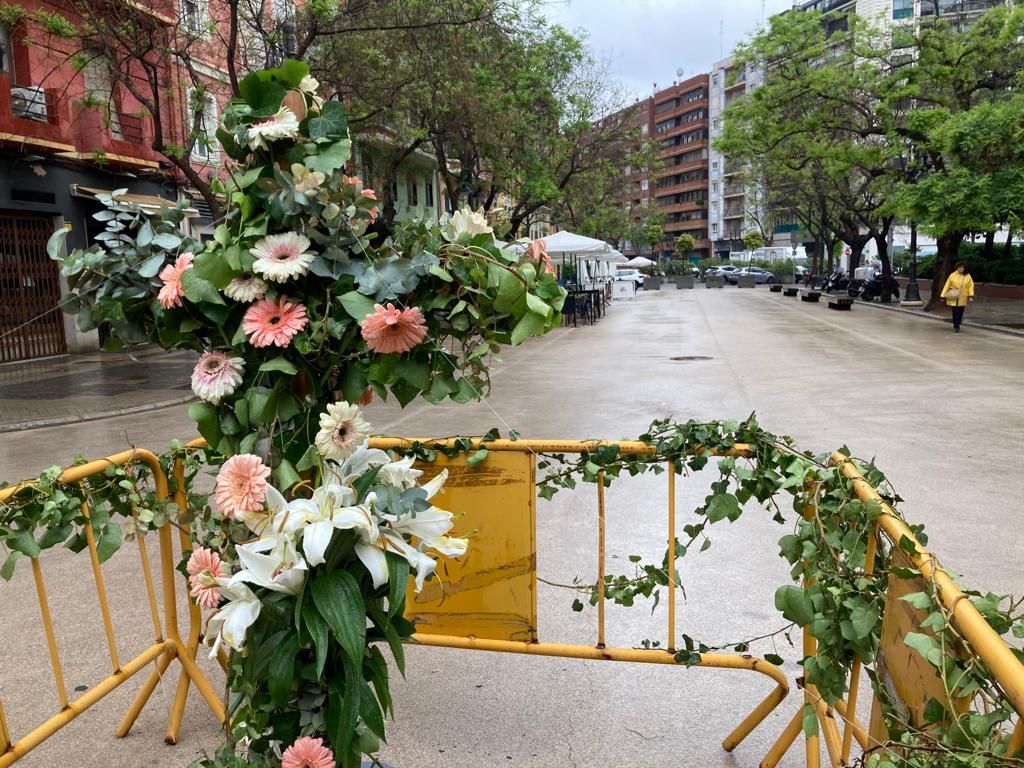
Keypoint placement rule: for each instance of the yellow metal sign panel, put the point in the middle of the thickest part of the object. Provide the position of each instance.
(491, 592)
(910, 680)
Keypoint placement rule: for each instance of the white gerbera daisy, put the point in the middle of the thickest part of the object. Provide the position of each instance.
(282, 257)
(281, 125)
(342, 431)
(245, 289)
(216, 375)
(465, 224)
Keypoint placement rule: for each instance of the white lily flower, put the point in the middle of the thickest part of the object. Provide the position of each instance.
(465, 224)
(422, 563)
(273, 563)
(362, 460)
(435, 484)
(400, 474)
(232, 621)
(317, 535)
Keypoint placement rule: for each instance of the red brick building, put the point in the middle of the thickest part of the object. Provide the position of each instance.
(676, 121)
(73, 122)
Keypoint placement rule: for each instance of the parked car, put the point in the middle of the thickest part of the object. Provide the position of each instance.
(633, 275)
(759, 275)
(721, 270)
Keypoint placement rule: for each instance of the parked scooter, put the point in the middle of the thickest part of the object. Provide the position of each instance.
(872, 288)
(837, 281)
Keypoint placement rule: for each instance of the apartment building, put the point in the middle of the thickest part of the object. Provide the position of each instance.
(69, 131)
(732, 205)
(679, 118)
(901, 10)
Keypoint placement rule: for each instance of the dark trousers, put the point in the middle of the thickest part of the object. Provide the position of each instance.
(958, 316)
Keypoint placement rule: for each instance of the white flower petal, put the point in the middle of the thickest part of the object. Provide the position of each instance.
(375, 561)
(435, 484)
(315, 539)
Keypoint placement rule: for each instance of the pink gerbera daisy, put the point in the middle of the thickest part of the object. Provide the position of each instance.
(204, 566)
(274, 321)
(171, 293)
(369, 194)
(388, 330)
(216, 375)
(307, 752)
(241, 485)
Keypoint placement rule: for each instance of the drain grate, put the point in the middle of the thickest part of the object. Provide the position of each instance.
(690, 358)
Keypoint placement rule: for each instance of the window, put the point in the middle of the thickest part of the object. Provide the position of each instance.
(6, 54)
(627, 171)
(643, 129)
(903, 9)
(193, 15)
(205, 147)
(428, 189)
(413, 190)
(100, 89)
(714, 187)
(714, 228)
(644, 185)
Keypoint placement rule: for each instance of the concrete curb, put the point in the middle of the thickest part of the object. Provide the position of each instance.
(937, 319)
(60, 420)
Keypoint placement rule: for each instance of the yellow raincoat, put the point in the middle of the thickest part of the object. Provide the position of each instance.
(963, 282)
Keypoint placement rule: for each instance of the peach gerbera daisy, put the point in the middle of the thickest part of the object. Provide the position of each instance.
(171, 293)
(388, 330)
(241, 486)
(274, 321)
(369, 194)
(204, 567)
(307, 752)
(216, 375)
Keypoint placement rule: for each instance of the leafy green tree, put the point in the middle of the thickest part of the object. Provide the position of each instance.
(752, 240)
(683, 245)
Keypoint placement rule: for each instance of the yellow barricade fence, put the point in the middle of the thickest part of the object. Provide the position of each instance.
(167, 646)
(488, 601)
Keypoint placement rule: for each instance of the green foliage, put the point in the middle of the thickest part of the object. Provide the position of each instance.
(12, 14)
(683, 244)
(753, 240)
(839, 601)
(55, 24)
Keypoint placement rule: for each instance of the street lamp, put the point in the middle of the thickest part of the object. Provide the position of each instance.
(912, 295)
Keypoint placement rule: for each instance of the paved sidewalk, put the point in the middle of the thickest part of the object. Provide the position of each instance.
(1003, 315)
(83, 387)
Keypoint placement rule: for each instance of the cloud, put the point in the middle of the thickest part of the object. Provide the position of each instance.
(651, 41)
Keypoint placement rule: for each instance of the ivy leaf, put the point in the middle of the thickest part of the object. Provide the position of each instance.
(810, 721)
(919, 600)
(330, 124)
(926, 645)
(477, 458)
(795, 604)
(775, 659)
(337, 597)
(723, 506)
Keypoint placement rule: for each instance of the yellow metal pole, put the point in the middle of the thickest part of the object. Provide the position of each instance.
(147, 577)
(810, 648)
(99, 691)
(101, 589)
(600, 559)
(671, 557)
(829, 730)
(630, 448)
(784, 742)
(142, 697)
(869, 569)
(5, 735)
(982, 639)
(194, 620)
(1016, 740)
(51, 638)
(854, 724)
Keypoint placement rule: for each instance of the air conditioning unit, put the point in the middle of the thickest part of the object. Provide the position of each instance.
(29, 104)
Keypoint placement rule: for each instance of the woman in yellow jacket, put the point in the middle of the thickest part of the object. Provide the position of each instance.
(958, 290)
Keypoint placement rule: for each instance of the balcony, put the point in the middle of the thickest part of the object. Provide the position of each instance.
(734, 212)
(957, 7)
(686, 186)
(683, 148)
(682, 109)
(734, 190)
(34, 117)
(690, 205)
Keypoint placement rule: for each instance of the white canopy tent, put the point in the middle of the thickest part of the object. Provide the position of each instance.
(639, 262)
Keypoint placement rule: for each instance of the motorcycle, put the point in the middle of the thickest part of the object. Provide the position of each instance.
(837, 281)
(872, 288)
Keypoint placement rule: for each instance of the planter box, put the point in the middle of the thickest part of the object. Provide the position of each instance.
(786, 279)
(684, 281)
(652, 284)
(716, 281)
(745, 281)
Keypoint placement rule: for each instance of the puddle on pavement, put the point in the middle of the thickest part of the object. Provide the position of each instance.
(690, 358)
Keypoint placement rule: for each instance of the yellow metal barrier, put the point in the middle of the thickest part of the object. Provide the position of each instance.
(488, 601)
(473, 608)
(913, 683)
(167, 645)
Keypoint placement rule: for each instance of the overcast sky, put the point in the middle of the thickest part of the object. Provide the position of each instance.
(648, 41)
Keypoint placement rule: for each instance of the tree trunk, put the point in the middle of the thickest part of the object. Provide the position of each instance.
(990, 240)
(949, 250)
(882, 243)
(1009, 242)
